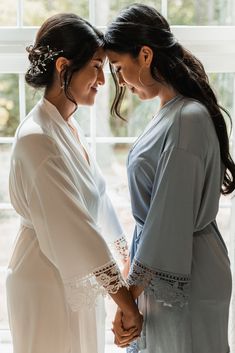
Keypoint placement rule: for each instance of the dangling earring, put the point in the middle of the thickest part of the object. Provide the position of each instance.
(141, 80)
(62, 84)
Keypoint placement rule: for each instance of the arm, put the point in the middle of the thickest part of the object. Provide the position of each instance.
(66, 232)
(163, 260)
(111, 228)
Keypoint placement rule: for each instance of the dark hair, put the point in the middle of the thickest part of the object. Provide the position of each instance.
(138, 25)
(66, 35)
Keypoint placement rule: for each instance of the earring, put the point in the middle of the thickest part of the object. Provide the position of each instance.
(62, 84)
(141, 79)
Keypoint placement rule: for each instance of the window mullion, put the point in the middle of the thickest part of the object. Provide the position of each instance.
(92, 11)
(22, 96)
(232, 230)
(164, 8)
(93, 129)
(93, 108)
(20, 13)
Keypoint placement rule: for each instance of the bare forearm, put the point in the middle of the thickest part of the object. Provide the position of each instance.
(136, 291)
(124, 299)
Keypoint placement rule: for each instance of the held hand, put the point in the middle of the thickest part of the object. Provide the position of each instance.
(126, 327)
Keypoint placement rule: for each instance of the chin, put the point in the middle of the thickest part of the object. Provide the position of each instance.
(88, 102)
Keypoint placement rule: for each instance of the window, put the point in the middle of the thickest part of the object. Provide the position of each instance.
(207, 28)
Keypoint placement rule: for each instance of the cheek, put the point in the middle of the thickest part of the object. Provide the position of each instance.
(132, 77)
(84, 80)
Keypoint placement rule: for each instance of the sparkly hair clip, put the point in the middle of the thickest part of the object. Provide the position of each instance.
(40, 57)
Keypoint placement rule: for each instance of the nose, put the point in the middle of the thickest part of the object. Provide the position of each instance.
(121, 81)
(100, 78)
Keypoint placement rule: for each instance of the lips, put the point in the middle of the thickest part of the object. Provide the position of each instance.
(94, 89)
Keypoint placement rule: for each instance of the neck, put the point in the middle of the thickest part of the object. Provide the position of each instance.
(166, 94)
(64, 106)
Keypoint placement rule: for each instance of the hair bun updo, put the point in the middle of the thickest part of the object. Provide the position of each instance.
(41, 65)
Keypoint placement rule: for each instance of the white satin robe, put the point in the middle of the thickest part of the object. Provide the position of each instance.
(54, 300)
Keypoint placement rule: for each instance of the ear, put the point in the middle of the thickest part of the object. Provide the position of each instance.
(61, 63)
(146, 56)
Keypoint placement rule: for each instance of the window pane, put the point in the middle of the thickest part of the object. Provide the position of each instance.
(82, 115)
(224, 221)
(137, 113)
(9, 104)
(112, 160)
(5, 152)
(36, 12)
(32, 97)
(9, 223)
(223, 85)
(201, 12)
(3, 303)
(8, 12)
(107, 10)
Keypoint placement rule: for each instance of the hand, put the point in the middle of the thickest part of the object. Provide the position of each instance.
(126, 327)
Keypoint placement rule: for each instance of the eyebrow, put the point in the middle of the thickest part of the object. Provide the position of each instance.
(98, 59)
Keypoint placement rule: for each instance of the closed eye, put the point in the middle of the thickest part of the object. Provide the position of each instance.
(117, 69)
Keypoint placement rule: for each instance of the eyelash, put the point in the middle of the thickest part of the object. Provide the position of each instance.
(117, 70)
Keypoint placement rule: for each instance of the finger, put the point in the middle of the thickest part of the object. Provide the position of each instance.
(126, 335)
(122, 332)
(122, 340)
(119, 344)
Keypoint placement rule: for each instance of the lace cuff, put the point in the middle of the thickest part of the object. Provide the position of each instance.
(121, 246)
(170, 288)
(84, 291)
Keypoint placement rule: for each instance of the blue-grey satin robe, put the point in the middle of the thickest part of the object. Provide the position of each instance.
(175, 176)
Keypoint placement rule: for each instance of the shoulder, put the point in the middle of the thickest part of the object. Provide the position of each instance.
(194, 113)
(36, 122)
(194, 124)
(32, 142)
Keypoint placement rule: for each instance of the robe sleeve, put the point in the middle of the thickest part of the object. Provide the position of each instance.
(67, 234)
(111, 229)
(162, 263)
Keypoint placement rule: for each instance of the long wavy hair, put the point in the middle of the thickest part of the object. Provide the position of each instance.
(139, 25)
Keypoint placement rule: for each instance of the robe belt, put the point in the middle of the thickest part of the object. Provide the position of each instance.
(26, 223)
(206, 229)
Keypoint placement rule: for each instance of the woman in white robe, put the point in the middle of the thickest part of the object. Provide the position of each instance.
(61, 263)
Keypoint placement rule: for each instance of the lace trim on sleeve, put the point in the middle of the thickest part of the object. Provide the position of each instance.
(171, 289)
(83, 292)
(121, 246)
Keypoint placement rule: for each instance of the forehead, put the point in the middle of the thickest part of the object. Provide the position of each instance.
(99, 55)
(115, 57)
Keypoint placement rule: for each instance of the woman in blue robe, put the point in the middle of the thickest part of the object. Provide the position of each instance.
(177, 169)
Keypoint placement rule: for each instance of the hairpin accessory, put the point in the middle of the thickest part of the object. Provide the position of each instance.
(40, 57)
